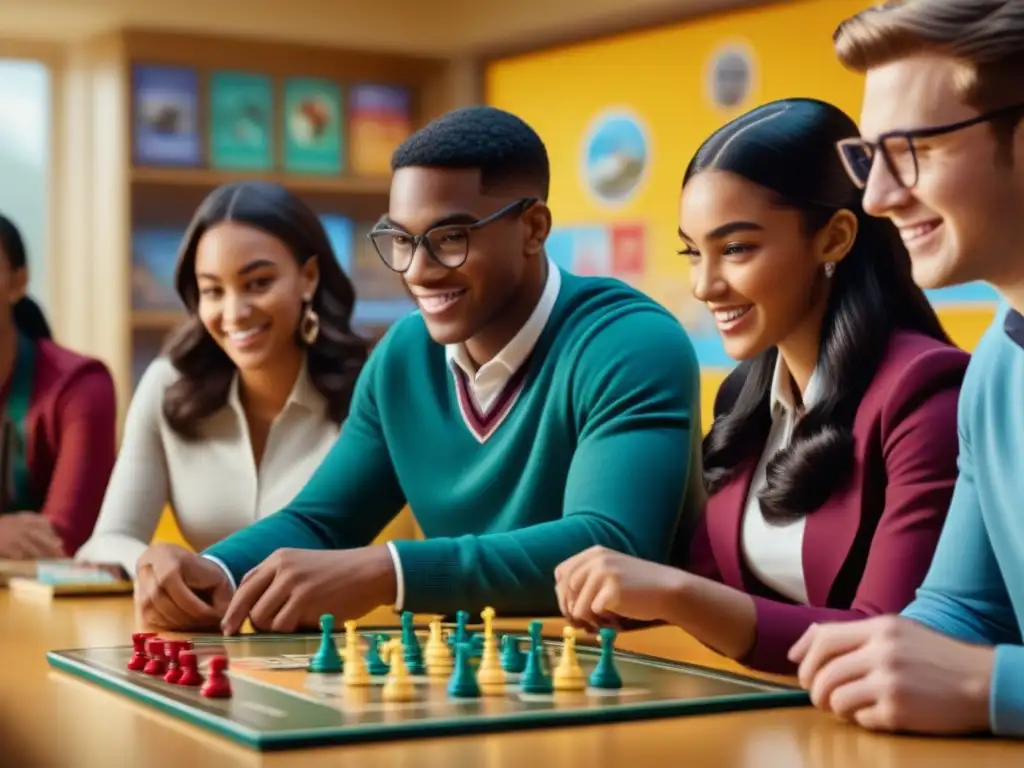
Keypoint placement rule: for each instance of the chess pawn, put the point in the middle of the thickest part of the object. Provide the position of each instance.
(605, 675)
(439, 657)
(356, 673)
(399, 686)
(512, 657)
(326, 658)
(568, 675)
(490, 674)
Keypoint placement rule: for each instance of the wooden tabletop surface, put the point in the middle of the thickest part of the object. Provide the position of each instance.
(48, 720)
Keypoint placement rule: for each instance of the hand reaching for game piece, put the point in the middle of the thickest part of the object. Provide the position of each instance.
(178, 590)
(292, 588)
(601, 587)
(28, 536)
(889, 673)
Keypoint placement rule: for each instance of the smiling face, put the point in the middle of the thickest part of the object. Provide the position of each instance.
(960, 221)
(251, 293)
(458, 304)
(752, 262)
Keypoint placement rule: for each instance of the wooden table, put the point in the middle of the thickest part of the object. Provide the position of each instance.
(48, 720)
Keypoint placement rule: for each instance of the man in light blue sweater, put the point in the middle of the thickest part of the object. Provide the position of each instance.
(943, 156)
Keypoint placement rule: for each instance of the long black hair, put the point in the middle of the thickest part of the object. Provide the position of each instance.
(28, 316)
(789, 148)
(333, 360)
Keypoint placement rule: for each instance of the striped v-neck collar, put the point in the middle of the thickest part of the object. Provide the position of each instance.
(486, 395)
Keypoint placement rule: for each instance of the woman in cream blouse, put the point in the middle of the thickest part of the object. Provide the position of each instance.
(230, 423)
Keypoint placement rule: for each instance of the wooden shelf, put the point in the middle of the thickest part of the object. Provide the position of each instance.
(156, 319)
(208, 179)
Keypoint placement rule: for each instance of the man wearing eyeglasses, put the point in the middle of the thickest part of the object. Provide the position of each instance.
(524, 414)
(943, 157)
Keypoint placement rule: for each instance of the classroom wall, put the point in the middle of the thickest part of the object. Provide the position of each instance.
(660, 82)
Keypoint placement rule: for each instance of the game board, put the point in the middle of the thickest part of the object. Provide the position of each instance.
(273, 701)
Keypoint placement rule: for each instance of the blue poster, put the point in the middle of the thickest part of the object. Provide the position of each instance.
(241, 121)
(165, 104)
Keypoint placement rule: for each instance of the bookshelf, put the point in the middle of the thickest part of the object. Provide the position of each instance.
(119, 214)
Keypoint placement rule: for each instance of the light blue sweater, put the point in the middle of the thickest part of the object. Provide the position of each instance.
(975, 588)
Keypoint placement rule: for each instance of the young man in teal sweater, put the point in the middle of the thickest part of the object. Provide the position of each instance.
(944, 158)
(523, 413)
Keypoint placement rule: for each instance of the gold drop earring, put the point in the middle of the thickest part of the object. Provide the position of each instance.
(309, 326)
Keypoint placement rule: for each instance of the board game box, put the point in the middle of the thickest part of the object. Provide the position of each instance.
(271, 692)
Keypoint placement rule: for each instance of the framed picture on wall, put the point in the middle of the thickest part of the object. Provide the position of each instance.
(312, 126)
(165, 120)
(380, 118)
(241, 121)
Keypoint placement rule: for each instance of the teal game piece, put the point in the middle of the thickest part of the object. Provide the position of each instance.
(375, 665)
(536, 678)
(605, 675)
(411, 651)
(462, 684)
(461, 634)
(327, 658)
(513, 660)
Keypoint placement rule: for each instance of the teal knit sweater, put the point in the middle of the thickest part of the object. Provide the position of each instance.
(600, 447)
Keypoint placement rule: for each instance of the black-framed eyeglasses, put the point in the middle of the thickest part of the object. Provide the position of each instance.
(447, 244)
(897, 148)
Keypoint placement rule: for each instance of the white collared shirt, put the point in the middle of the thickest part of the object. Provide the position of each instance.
(489, 381)
(774, 553)
(212, 483)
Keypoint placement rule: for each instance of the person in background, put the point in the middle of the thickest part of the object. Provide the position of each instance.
(941, 154)
(832, 457)
(522, 412)
(230, 422)
(59, 426)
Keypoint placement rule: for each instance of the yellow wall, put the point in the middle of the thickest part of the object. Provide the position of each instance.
(659, 76)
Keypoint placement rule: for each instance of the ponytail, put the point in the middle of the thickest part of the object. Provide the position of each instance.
(30, 320)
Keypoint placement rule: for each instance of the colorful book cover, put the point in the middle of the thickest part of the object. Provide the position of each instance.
(154, 255)
(165, 105)
(312, 126)
(380, 118)
(241, 121)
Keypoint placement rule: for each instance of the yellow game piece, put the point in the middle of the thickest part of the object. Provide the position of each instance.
(355, 673)
(490, 676)
(438, 655)
(399, 686)
(568, 675)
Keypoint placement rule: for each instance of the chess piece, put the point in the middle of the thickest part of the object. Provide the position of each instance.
(189, 666)
(139, 658)
(326, 659)
(535, 678)
(157, 662)
(411, 651)
(217, 685)
(605, 675)
(490, 675)
(439, 657)
(463, 683)
(399, 686)
(568, 675)
(356, 673)
(512, 658)
(375, 665)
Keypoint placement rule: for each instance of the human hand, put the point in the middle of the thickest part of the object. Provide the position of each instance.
(28, 536)
(601, 587)
(178, 590)
(292, 588)
(892, 674)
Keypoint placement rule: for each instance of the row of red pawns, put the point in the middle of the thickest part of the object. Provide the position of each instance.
(176, 662)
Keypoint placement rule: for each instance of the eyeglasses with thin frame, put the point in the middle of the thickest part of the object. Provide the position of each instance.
(897, 148)
(447, 244)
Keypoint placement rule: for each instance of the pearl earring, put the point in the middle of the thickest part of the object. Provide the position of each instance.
(830, 269)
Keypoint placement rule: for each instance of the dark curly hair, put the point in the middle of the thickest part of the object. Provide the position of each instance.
(789, 148)
(28, 316)
(502, 146)
(333, 361)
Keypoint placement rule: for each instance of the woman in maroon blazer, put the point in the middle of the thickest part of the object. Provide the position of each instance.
(832, 458)
(58, 433)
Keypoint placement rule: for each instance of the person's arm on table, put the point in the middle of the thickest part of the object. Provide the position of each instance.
(635, 392)
(87, 415)
(934, 669)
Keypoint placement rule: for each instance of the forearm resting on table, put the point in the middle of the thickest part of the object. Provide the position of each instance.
(720, 617)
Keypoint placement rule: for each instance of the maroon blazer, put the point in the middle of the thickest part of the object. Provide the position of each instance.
(867, 549)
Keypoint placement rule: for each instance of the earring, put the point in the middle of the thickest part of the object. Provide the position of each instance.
(309, 326)
(830, 269)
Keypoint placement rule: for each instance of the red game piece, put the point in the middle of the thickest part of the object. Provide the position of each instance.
(157, 663)
(172, 649)
(217, 685)
(139, 658)
(189, 669)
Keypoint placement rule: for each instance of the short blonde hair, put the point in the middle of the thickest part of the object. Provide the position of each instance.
(986, 37)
